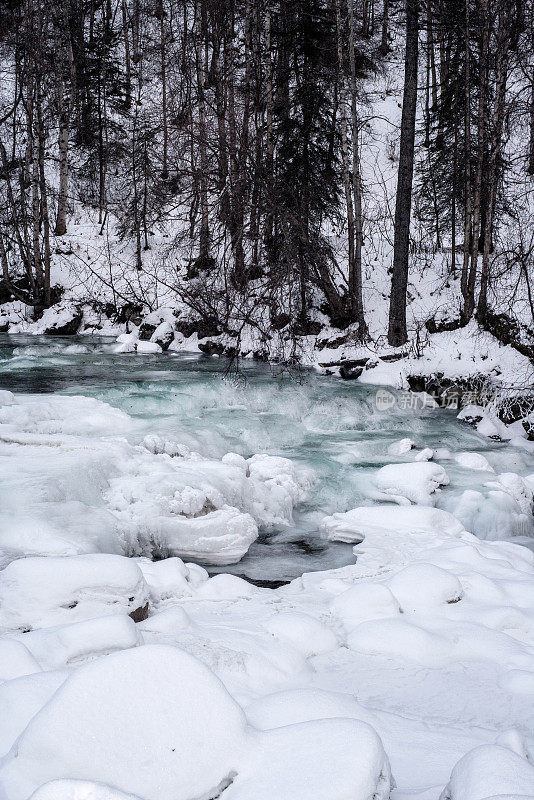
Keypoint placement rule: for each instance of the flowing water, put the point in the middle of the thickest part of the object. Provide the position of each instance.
(329, 425)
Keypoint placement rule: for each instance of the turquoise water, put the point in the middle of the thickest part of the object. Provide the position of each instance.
(324, 423)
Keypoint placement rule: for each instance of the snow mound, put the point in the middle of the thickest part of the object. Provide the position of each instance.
(171, 578)
(21, 699)
(79, 790)
(365, 522)
(306, 634)
(415, 482)
(16, 660)
(41, 592)
(419, 588)
(326, 759)
(474, 461)
(364, 601)
(490, 771)
(67, 645)
(142, 721)
(401, 447)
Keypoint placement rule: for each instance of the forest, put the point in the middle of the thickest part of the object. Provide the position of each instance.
(225, 154)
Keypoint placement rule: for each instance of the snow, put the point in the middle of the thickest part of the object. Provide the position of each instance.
(419, 587)
(413, 649)
(16, 660)
(42, 592)
(140, 720)
(474, 461)
(79, 790)
(490, 771)
(411, 483)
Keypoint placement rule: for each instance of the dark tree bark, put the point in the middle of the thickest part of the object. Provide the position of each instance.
(397, 333)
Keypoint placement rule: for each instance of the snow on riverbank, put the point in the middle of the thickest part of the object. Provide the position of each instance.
(406, 674)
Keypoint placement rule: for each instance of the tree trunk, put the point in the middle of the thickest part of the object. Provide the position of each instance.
(397, 332)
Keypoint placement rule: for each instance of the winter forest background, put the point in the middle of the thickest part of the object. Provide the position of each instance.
(244, 155)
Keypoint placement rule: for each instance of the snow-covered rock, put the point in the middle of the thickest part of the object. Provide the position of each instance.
(419, 588)
(364, 601)
(163, 335)
(150, 348)
(490, 771)
(411, 483)
(16, 660)
(365, 521)
(474, 461)
(79, 790)
(306, 634)
(41, 592)
(152, 721)
(401, 447)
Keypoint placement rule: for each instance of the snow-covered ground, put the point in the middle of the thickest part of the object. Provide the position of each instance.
(406, 672)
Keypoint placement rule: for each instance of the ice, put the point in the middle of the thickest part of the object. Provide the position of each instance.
(42, 592)
(151, 721)
(490, 771)
(411, 483)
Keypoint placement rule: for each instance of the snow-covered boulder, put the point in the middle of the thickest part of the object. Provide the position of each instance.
(364, 601)
(401, 447)
(68, 645)
(22, 699)
(16, 660)
(490, 771)
(148, 348)
(170, 578)
(474, 461)
(324, 759)
(79, 790)
(306, 634)
(163, 335)
(152, 721)
(419, 588)
(367, 521)
(41, 592)
(415, 482)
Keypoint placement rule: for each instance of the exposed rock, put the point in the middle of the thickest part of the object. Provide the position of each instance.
(350, 372)
(140, 614)
(332, 342)
(443, 325)
(279, 321)
(211, 348)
